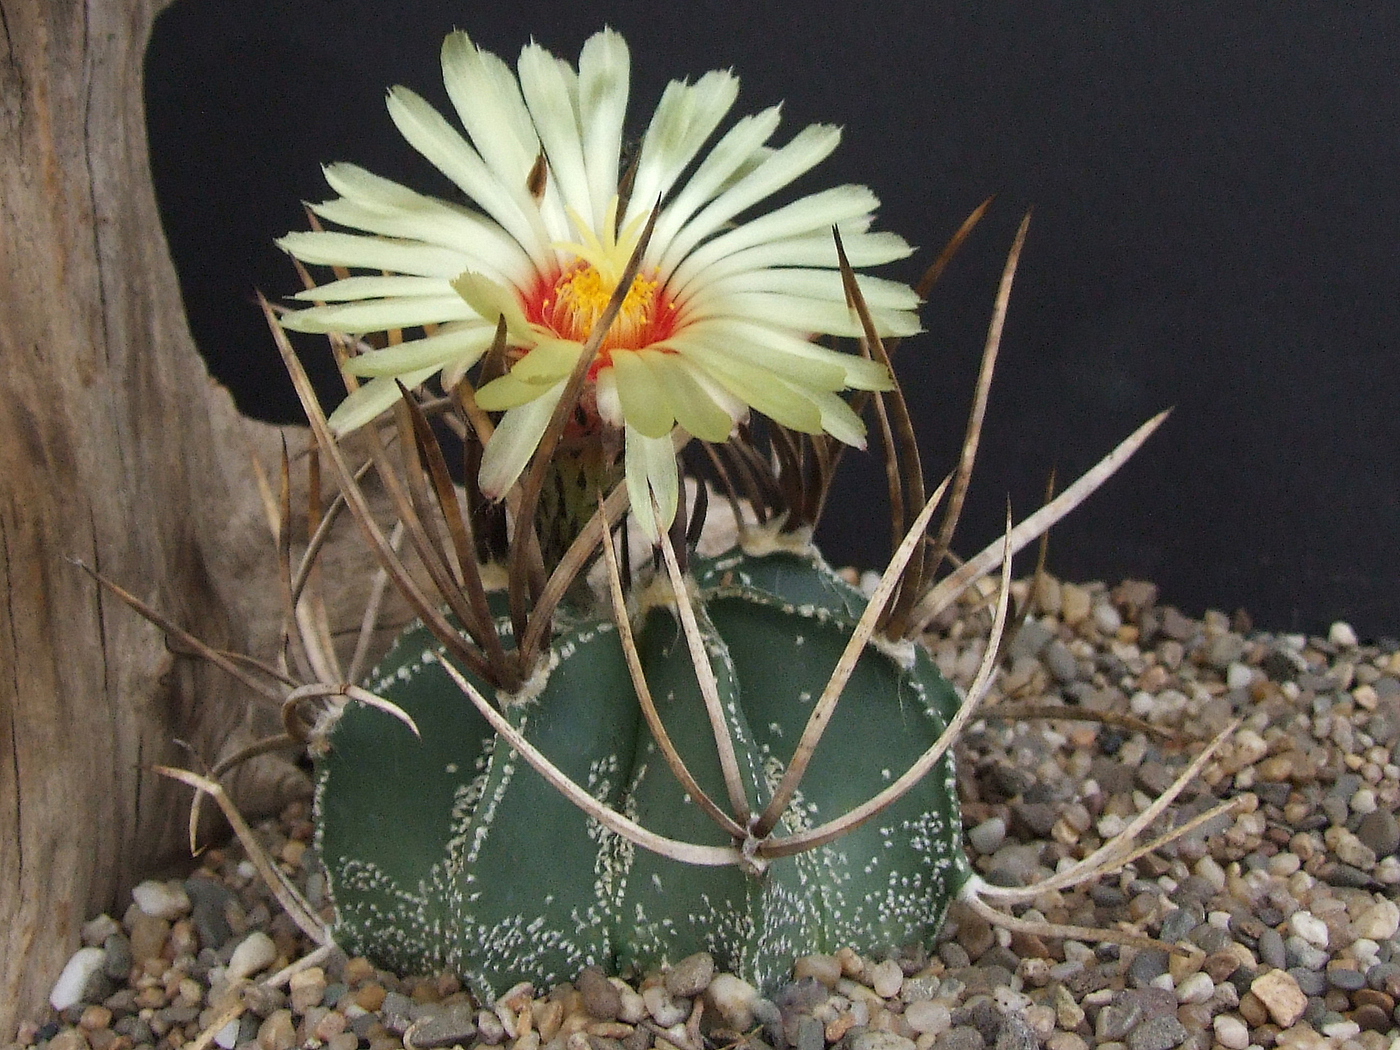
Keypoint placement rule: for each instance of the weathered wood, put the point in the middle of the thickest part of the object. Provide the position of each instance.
(118, 450)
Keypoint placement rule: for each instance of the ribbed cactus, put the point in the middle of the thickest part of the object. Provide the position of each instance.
(450, 851)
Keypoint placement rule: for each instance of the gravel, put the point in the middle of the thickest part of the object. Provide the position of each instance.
(1285, 909)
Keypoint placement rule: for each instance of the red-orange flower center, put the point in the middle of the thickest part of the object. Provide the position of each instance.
(572, 302)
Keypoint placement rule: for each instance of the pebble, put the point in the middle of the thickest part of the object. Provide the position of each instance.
(600, 997)
(147, 937)
(1230, 1032)
(441, 1025)
(928, 1017)
(886, 978)
(734, 1000)
(80, 980)
(1279, 993)
(162, 900)
(1379, 832)
(824, 968)
(1195, 989)
(1342, 635)
(1157, 1033)
(986, 838)
(1309, 927)
(881, 1040)
(254, 953)
(691, 976)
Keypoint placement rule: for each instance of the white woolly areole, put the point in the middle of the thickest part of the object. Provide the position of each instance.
(533, 686)
(768, 538)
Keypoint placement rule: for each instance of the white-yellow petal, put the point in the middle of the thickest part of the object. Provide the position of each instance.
(330, 248)
(514, 442)
(760, 388)
(694, 403)
(645, 405)
(815, 213)
(352, 288)
(686, 116)
(364, 404)
(736, 146)
(491, 302)
(549, 87)
(808, 148)
(429, 133)
(379, 315)
(434, 351)
(550, 361)
(650, 469)
(604, 69)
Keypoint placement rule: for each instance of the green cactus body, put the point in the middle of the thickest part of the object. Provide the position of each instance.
(452, 852)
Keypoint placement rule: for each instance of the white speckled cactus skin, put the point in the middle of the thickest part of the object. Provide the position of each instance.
(452, 852)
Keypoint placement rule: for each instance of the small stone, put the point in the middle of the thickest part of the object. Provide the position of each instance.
(874, 1039)
(809, 1034)
(1148, 965)
(1065, 1041)
(1016, 1034)
(1371, 1018)
(81, 978)
(441, 1025)
(148, 935)
(1075, 604)
(986, 838)
(600, 997)
(1281, 996)
(1271, 949)
(1118, 1019)
(306, 989)
(1379, 831)
(254, 953)
(162, 900)
(1060, 662)
(96, 931)
(1195, 989)
(691, 976)
(69, 1039)
(824, 968)
(886, 978)
(370, 995)
(1345, 979)
(227, 1036)
(1309, 927)
(1106, 619)
(1220, 965)
(928, 1017)
(209, 911)
(1069, 1015)
(733, 999)
(664, 1011)
(1231, 1032)
(1342, 635)
(1379, 922)
(963, 1037)
(1223, 650)
(1253, 1010)
(1157, 1033)
(278, 1031)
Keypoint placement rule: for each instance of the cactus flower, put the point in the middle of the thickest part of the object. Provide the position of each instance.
(722, 312)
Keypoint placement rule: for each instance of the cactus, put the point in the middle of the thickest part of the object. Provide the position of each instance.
(572, 818)
(451, 852)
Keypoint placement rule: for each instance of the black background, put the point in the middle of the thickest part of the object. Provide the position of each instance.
(1216, 227)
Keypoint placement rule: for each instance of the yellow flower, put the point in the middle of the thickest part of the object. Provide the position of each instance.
(720, 318)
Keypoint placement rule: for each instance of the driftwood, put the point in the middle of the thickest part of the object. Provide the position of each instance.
(118, 451)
